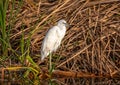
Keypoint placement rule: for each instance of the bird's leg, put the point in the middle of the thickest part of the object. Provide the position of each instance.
(50, 61)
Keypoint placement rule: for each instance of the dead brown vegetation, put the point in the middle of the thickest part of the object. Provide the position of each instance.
(92, 45)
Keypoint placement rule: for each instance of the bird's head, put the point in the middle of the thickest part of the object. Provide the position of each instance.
(63, 23)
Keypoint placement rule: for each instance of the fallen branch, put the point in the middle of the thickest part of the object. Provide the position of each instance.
(58, 73)
(73, 74)
(67, 74)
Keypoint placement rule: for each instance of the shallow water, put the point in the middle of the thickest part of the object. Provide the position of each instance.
(65, 81)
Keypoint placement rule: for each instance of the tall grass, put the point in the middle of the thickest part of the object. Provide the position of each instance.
(4, 35)
(24, 47)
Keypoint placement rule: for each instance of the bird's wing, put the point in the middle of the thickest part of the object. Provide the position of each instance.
(49, 42)
(51, 36)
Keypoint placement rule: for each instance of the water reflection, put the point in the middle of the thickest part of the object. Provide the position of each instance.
(67, 81)
(85, 81)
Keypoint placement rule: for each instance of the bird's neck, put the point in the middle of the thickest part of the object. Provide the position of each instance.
(61, 26)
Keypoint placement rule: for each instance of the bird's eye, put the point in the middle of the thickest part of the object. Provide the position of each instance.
(64, 23)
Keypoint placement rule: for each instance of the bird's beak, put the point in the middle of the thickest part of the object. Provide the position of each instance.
(67, 25)
(70, 26)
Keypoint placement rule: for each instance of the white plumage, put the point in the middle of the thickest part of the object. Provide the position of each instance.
(53, 38)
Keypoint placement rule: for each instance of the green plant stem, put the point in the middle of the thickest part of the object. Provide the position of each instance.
(50, 61)
(4, 35)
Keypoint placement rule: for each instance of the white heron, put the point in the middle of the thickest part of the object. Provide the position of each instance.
(53, 39)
